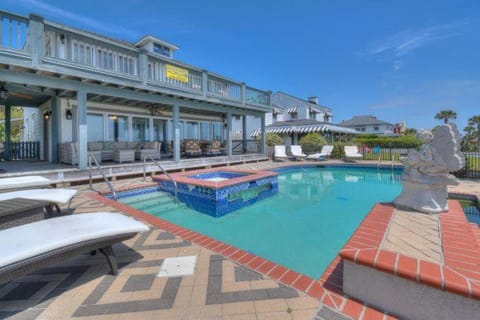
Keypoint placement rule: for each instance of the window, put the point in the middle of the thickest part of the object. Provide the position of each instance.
(205, 131)
(164, 51)
(159, 129)
(141, 129)
(375, 128)
(192, 130)
(218, 131)
(313, 115)
(274, 116)
(95, 127)
(362, 129)
(117, 128)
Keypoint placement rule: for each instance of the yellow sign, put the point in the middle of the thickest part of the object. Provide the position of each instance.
(176, 73)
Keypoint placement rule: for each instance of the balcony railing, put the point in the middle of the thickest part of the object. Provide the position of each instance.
(13, 32)
(65, 47)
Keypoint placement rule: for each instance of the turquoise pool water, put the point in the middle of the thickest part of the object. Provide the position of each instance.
(302, 227)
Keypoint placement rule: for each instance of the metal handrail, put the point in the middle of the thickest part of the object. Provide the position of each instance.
(112, 190)
(164, 172)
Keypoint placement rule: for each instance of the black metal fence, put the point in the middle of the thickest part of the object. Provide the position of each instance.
(472, 167)
(252, 146)
(384, 154)
(25, 150)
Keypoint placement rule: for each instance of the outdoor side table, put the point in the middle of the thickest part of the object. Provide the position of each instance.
(15, 212)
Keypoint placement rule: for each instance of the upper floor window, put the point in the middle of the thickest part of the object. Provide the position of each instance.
(375, 128)
(164, 51)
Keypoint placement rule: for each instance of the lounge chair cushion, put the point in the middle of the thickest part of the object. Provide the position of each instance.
(58, 196)
(37, 238)
(24, 182)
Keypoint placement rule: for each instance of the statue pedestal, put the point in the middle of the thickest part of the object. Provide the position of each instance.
(422, 197)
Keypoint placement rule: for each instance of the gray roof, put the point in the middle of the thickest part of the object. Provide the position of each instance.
(363, 121)
(284, 101)
(300, 122)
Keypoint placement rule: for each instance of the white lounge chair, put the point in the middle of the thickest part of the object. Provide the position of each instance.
(351, 152)
(56, 197)
(297, 152)
(32, 246)
(323, 154)
(280, 153)
(23, 183)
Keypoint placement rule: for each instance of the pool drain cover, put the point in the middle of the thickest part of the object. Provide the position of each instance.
(178, 266)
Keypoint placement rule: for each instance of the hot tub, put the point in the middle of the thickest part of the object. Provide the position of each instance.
(217, 192)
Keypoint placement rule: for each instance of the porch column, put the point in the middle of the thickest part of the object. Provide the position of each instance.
(176, 133)
(82, 129)
(36, 38)
(8, 132)
(229, 134)
(263, 139)
(244, 132)
(56, 118)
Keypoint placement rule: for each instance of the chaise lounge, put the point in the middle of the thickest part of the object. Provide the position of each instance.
(55, 197)
(323, 154)
(351, 153)
(29, 247)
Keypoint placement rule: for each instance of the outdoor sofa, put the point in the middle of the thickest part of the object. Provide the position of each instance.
(29, 247)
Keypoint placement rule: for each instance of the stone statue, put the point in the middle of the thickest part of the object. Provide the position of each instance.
(426, 172)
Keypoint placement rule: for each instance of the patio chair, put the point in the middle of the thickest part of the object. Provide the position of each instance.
(280, 153)
(351, 153)
(323, 154)
(192, 149)
(297, 152)
(43, 243)
(24, 182)
(55, 197)
(213, 149)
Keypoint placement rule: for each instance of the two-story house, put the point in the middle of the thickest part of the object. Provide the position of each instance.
(369, 124)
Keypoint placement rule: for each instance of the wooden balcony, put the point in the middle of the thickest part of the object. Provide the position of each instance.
(44, 47)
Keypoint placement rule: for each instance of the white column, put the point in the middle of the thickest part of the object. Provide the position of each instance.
(229, 134)
(56, 119)
(176, 132)
(82, 129)
(263, 140)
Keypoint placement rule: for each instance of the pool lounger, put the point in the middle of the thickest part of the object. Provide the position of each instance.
(56, 197)
(32, 246)
(24, 182)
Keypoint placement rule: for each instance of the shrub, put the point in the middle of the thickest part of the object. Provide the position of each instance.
(338, 151)
(312, 142)
(408, 141)
(273, 139)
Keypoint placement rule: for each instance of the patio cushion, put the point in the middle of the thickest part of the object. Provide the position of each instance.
(134, 145)
(33, 239)
(60, 196)
(95, 146)
(107, 145)
(121, 145)
(24, 182)
(151, 145)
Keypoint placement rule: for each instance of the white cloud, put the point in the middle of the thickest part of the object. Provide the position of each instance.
(405, 42)
(94, 25)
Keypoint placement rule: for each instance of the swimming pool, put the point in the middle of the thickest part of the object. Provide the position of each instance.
(305, 224)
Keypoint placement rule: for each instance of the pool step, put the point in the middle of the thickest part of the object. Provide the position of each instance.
(158, 196)
(160, 209)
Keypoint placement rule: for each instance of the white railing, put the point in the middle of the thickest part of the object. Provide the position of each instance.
(87, 52)
(224, 88)
(13, 32)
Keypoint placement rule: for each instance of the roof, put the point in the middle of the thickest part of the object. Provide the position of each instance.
(153, 39)
(284, 100)
(363, 121)
(303, 126)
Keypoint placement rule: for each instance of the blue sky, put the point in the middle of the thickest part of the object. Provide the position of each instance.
(398, 60)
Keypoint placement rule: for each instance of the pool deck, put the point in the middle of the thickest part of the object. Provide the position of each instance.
(227, 283)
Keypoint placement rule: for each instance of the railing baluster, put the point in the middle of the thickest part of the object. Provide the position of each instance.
(10, 42)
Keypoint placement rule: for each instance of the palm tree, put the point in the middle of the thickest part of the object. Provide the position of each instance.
(446, 115)
(475, 123)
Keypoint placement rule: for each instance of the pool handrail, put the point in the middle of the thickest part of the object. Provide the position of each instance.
(110, 186)
(163, 170)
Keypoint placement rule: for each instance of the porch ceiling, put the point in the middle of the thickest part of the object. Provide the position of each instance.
(24, 96)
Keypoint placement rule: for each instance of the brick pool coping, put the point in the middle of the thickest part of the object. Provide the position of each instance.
(184, 177)
(460, 271)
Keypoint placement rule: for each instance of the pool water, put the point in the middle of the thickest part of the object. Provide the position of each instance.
(302, 227)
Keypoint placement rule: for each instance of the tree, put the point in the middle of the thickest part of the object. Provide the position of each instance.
(312, 142)
(410, 131)
(474, 128)
(446, 115)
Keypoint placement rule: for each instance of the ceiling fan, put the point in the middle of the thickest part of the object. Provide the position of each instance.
(5, 94)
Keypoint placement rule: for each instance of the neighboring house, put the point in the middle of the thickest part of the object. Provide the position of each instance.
(89, 88)
(369, 124)
(293, 117)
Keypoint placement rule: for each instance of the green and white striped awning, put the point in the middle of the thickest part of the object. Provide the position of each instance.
(305, 129)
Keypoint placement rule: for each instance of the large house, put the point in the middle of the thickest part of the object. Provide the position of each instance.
(369, 124)
(293, 117)
(89, 91)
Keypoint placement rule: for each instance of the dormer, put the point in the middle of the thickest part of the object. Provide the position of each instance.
(157, 46)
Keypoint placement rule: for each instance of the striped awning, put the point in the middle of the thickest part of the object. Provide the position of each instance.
(277, 110)
(292, 110)
(305, 129)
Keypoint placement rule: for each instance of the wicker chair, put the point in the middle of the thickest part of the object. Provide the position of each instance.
(213, 148)
(192, 149)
